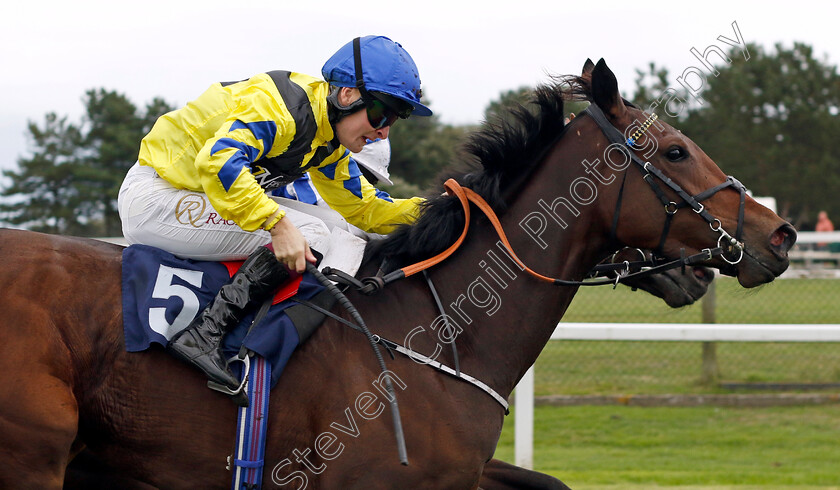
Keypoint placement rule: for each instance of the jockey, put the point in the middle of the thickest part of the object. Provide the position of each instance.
(199, 189)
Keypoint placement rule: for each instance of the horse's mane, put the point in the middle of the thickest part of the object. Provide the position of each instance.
(495, 159)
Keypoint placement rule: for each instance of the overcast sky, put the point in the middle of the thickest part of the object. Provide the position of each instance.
(468, 52)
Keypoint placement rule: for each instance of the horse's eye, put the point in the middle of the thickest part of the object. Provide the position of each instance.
(676, 153)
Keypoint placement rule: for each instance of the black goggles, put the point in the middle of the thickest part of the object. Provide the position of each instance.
(383, 109)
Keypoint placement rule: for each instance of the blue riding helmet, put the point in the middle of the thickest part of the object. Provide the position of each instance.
(386, 68)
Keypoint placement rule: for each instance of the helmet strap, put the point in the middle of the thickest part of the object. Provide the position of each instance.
(336, 110)
(357, 61)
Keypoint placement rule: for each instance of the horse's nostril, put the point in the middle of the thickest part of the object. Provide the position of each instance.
(783, 238)
(703, 274)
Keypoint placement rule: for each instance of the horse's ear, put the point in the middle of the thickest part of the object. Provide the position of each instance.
(605, 91)
(587, 68)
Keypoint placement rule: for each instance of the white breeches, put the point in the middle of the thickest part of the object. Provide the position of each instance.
(184, 223)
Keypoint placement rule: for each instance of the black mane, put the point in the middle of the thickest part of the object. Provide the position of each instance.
(498, 157)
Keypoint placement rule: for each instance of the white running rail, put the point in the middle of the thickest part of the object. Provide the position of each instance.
(717, 332)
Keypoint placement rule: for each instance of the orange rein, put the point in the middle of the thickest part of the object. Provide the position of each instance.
(467, 196)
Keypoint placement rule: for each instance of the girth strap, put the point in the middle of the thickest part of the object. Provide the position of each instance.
(252, 423)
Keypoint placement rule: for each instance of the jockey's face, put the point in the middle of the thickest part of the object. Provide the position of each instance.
(354, 130)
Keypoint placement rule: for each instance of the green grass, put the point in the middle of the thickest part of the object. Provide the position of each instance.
(618, 447)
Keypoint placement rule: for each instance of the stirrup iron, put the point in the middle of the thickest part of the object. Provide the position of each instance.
(224, 389)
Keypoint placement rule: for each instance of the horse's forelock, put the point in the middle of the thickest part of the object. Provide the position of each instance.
(574, 88)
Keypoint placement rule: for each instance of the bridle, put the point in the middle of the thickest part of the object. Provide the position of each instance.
(726, 243)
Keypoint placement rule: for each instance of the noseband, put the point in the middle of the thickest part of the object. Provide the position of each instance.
(726, 243)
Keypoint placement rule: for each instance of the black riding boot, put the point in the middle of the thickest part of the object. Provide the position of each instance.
(198, 344)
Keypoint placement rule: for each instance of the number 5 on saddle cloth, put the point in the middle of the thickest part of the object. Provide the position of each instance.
(161, 294)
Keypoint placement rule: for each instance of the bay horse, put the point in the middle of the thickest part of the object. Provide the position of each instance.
(69, 384)
(676, 287)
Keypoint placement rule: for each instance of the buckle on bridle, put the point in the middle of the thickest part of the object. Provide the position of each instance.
(671, 206)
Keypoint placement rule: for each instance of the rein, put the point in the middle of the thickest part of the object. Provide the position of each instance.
(726, 243)
(362, 327)
(372, 285)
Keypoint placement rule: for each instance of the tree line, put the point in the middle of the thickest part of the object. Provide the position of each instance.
(770, 121)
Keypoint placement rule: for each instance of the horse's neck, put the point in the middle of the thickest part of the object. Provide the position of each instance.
(508, 315)
(512, 313)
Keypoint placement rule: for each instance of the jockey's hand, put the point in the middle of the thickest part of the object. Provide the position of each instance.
(290, 247)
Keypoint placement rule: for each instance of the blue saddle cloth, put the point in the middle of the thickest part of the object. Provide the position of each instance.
(161, 294)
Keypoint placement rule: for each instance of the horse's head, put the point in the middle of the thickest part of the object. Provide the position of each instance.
(687, 204)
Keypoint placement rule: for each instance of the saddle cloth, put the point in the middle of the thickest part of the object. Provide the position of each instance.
(161, 294)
